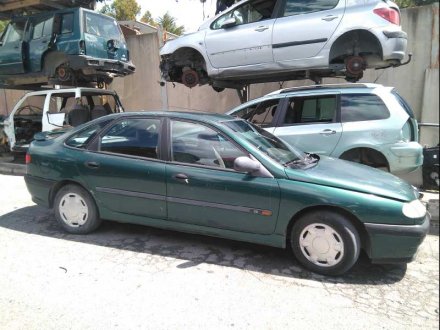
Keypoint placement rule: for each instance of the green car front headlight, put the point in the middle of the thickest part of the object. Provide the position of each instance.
(414, 209)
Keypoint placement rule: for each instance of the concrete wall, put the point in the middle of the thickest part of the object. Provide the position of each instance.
(8, 99)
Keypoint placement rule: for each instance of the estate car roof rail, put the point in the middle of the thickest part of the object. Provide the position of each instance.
(326, 86)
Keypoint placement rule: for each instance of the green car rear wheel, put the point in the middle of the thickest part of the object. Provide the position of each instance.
(75, 210)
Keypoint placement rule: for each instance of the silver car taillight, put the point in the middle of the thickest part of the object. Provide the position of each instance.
(390, 14)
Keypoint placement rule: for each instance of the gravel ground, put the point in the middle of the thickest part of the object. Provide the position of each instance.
(128, 277)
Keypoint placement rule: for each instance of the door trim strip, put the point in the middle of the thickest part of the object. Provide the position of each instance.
(299, 43)
(219, 206)
(191, 202)
(130, 193)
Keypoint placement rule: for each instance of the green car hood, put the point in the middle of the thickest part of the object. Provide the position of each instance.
(351, 176)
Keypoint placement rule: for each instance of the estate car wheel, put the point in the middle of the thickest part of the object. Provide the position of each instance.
(75, 210)
(325, 242)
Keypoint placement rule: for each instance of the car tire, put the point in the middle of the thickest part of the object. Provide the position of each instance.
(75, 210)
(325, 242)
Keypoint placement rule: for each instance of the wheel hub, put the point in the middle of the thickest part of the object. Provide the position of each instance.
(322, 245)
(73, 210)
(190, 78)
(355, 65)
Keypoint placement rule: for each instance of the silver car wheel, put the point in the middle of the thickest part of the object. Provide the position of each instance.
(321, 245)
(73, 210)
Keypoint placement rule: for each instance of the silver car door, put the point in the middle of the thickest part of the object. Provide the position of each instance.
(245, 42)
(312, 124)
(304, 28)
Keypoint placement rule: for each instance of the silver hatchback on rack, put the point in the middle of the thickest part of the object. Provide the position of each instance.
(366, 123)
(277, 40)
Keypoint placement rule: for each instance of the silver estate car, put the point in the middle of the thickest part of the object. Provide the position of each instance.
(366, 123)
(278, 40)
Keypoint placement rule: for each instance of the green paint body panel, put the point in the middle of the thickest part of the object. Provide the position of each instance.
(226, 203)
(26, 56)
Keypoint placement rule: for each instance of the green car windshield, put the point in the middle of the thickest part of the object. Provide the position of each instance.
(267, 143)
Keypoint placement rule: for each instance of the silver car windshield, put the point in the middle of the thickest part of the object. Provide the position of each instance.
(267, 143)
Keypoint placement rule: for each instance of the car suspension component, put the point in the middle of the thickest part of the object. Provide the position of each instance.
(190, 78)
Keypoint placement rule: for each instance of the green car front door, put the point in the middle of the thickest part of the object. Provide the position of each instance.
(204, 189)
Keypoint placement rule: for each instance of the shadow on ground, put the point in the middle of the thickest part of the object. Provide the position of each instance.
(141, 239)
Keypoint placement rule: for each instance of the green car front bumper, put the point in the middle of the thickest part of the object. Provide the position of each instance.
(395, 243)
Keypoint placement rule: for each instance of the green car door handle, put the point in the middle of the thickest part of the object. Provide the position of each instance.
(92, 165)
(181, 177)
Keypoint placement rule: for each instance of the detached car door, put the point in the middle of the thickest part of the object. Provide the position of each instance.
(304, 28)
(12, 51)
(203, 188)
(311, 123)
(123, 168)
(245, 42)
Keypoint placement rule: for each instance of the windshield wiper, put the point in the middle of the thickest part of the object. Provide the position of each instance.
(307, 160)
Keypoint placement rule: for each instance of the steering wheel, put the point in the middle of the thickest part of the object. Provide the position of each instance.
(33, 110)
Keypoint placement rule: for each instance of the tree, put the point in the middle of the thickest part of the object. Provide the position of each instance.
(3, 25)
(148, 18)
(168, 23)
(413, 3)
(122, 10)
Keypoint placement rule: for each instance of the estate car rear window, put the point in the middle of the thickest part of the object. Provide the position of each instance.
(362, 107)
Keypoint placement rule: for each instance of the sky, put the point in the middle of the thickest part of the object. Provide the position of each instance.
(188, 13)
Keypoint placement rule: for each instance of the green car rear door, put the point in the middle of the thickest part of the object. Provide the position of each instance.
(124, 172)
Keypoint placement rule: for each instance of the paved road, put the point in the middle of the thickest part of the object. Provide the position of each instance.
(129, 277)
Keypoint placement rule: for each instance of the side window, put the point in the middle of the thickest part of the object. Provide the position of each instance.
(38, 30)
(14, 32)
(48, 25)
(55, 104)
(362, 107)
(135, 137)
(58, 102)
(311, 110)
(193, 143)
(80, 140)
(67, 23)
(32, 105)
(295, 7)
(250, 12)
(264, 113)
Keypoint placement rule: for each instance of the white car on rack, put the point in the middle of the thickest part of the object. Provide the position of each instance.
(56, 110)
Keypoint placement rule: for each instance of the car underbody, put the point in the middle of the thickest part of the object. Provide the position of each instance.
(191, 71)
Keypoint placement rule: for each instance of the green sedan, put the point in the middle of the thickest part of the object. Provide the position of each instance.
(221, 176)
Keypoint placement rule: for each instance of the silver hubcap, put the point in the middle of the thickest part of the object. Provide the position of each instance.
(321, 245)
(73, 210)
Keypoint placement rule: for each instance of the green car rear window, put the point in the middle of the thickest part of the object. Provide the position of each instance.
(82, 138)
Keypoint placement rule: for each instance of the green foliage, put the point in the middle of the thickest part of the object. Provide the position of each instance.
(122, 10)
(3, 25)
(413, 3)
(148, 18)
(107, 10)
(168, 23)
